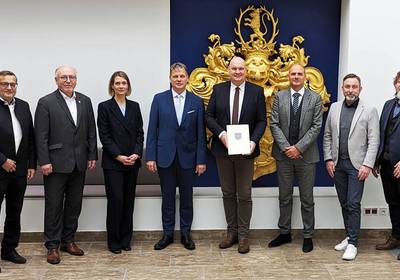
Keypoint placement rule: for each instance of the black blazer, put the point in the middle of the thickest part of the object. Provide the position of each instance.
(393, 138)
(119, 134)
(58, 140)
(253, 113)
(26, 156)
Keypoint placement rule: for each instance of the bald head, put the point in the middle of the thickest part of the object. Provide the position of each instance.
(66, 79)
(297, 77)
(237, 70)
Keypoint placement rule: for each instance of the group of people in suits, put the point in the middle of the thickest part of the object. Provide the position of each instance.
(62, 140)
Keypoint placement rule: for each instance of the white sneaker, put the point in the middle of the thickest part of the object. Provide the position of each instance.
(342, 245)
(350, 253)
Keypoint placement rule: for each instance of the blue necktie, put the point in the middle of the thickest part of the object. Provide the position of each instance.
(179, 108)
(296, 97)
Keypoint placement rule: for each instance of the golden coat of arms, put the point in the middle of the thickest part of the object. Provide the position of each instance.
(266, 67)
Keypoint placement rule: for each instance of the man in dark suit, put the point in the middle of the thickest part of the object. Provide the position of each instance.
(296, 120)
(176, 148)
(17, 159)
(66, 144)
(236, 102)
(388, 164)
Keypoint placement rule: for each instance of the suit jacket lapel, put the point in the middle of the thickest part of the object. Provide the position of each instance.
(170, 104)
(227, 93)
(305, 102)
(246, 98)
(357, 114)
(287, 106)
(63, 104)
(186, 106)
(118, 114)
(78, 109)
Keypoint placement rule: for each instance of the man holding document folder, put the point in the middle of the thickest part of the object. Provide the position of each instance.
(236, 108)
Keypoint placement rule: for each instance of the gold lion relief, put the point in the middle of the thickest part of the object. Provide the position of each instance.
(266, 67)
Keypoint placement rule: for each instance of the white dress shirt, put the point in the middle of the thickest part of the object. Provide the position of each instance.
(301, 92)
(17, 130)
(232, 97)
(179, 103)
(71, 103)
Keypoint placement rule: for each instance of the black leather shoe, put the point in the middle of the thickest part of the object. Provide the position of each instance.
(187, 242)
(307, 245)
(280, 240)
(127, 248)
(115, 251)
(164, 242)
(14, 257)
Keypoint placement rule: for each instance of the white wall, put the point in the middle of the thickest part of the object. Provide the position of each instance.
(99, 37)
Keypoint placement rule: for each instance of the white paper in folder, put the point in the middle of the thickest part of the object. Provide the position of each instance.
(238, 139)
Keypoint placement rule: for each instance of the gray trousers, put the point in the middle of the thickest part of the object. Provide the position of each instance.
(236, 177)
(305, 172)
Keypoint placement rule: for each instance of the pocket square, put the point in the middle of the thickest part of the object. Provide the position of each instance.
(191, 111)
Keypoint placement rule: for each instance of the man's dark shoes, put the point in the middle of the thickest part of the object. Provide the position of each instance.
(307, 245)
(229, 241)
(164, 242)
(53, 256)
(127, 248)
(244, 246)
(391, 243)
(187, 242)
(13, 256)
(280, 240)
(115, 251)
(72, 249)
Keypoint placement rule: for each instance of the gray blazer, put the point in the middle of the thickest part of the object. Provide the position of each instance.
(363, 139)
(310, 125)
(58, 140)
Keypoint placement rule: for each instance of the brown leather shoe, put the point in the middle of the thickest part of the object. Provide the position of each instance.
(244, 246)
(391, 243)
(53, 256)
(72, 249)
(228, 242)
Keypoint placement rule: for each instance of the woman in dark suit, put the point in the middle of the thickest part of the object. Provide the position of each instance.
(121, 133)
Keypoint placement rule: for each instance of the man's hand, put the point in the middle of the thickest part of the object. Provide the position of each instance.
(252, 147)
(396, 171)
(330, 167)
(200, 169)
(91, 164)
(292, 152)
(151, 165)
(364, 172)
(224, 139)
(31, 173)
(47, 169)
(376, 171)
(9, 165)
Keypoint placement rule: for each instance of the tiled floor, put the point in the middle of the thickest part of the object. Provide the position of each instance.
(208, 262)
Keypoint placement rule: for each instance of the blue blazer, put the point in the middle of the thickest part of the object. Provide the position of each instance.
(394, 137)
(166, 138)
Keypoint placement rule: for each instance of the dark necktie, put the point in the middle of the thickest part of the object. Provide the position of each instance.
(235, 111)
(296, 97)
(396, 110)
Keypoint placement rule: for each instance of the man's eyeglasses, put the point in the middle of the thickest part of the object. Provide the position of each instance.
(66, 78)
(6, 85)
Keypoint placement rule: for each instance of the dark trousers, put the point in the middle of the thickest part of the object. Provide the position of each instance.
(13, 188)
(236, 178)
(391, 188)
(350, 191)
(120, 191)
(171, 177)
(305, 172)
(63, 204)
